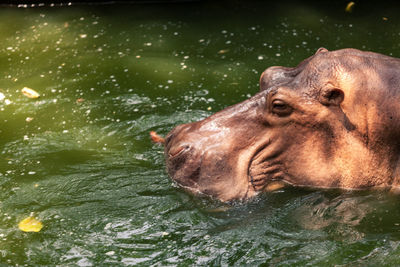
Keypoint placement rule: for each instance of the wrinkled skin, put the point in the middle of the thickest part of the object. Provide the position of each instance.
(331, 122)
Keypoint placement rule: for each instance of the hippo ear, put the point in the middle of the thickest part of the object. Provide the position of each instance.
(331, 96)
(321, 50)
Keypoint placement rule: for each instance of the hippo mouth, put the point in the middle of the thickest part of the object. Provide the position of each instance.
(265, 167)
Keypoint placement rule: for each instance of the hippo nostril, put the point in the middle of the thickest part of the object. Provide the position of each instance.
(174, 133)
(178, 150)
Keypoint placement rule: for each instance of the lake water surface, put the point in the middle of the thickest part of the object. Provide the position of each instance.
(80, 159)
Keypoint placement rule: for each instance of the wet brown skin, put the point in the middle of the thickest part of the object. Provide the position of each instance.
(331, 122)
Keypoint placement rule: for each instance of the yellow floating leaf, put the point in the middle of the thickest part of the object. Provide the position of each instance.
(349, 7)
(28, 92)
(30, 224)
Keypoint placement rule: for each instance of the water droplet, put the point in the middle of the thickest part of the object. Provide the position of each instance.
(110, 253)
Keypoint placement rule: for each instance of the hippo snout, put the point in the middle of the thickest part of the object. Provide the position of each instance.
(206, 157)
(182, 158)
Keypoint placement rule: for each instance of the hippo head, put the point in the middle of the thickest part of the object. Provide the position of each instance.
(330, 122)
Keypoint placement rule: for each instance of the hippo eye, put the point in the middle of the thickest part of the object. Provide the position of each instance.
(280, 108)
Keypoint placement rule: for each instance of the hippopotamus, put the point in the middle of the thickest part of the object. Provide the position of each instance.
(333, 121)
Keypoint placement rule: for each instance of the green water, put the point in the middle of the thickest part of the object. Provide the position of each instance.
(83, 162)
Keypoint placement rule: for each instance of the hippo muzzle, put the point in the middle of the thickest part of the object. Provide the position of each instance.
(327, 123)
(205, 157)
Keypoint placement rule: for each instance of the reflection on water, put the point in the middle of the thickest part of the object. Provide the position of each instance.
(80, 158)
(321, 212)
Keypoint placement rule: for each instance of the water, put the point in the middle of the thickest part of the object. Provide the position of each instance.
(81, 160)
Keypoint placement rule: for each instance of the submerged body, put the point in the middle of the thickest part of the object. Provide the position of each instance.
(331, 122)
